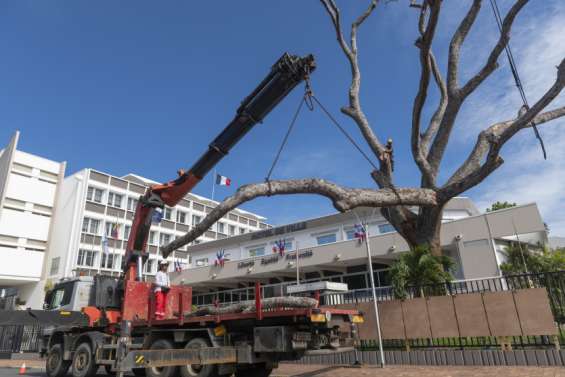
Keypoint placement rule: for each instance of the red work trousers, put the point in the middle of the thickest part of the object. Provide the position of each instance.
(160, 304)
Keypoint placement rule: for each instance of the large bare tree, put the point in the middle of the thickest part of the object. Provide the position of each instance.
(428, 142)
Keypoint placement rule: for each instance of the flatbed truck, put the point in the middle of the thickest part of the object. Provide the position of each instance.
(117, 328)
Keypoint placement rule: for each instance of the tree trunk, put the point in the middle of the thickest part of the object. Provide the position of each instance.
(417, 229)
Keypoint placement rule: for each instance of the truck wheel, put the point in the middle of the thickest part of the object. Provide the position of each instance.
(161, 344)
(197, 370)
(55, 366)
(256, 370)
(83, 361)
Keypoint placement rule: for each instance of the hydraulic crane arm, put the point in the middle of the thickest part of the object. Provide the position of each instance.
(284, 76)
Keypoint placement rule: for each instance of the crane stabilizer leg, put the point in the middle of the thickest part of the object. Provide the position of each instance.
(284, 76)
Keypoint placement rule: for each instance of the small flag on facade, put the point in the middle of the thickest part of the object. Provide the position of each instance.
(220, 258)
(178, 267)
(115, 230)
(157, 216)
(360, 233)
(279, 247)
(105, 247)
(222, 181)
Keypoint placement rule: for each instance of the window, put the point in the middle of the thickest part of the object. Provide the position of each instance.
(168, 215)
(149, 265)
(152, 235)
(221, 228)
(108, 261)
(86, 258)
(61, 296)
(54, 266)
(115, 200)
(196, 219)
(90, 225)
(181, 217)
(94, 194)
(232, 230)
(256, 251)
(350, 234)
(326, 238)
(386, 228)
(132, 204)
(201, 262)
(241, 230)
(127, 230)
(164, 239)
(112, 230)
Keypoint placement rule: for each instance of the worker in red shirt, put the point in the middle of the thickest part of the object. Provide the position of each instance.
(162, 286)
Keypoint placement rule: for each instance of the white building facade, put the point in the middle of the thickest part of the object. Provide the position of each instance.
(95, 214)
(329, 250)
(29, 193)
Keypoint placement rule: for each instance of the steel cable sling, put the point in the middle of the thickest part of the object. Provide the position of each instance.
(309, 99)
(517, 80)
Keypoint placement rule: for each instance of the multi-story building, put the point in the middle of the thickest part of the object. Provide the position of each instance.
(329, 249)
(94, 222)
(29, 193)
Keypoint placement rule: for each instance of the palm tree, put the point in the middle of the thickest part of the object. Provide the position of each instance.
(421, 271)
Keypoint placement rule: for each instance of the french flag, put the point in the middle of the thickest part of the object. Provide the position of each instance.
(222, 181)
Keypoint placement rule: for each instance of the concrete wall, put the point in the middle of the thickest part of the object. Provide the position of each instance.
(66, 228)
(6, 157)
(28, 192)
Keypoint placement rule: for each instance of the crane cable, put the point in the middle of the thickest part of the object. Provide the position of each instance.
(514, 70)
(309, 99)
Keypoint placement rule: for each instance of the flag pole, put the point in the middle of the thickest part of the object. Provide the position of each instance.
(214, 183)
(297, 268)
(365, 227)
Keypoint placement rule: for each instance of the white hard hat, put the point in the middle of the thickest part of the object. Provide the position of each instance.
(163, 262)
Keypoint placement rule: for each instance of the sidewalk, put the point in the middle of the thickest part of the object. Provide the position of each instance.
(33, 364)
(294, 370)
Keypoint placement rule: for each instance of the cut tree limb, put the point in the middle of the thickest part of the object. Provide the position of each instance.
(343, 199)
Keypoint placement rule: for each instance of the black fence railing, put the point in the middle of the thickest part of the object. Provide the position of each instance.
(553, 282)
(20, 338)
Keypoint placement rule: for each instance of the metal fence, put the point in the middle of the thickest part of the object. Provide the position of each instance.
(20, 338)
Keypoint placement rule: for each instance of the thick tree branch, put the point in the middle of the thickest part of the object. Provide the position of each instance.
(424, 43)
(492, 61)
(440, 111)
(490, 141)
(457, 96)
(354, 110)
(456, 43)
(343, 199)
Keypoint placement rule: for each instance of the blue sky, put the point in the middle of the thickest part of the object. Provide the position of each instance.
(143, 86)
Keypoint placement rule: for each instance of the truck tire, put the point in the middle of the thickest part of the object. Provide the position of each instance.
(83, 361)
(55, 366)
(161, 344)
(256, 370)
(195, 370)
